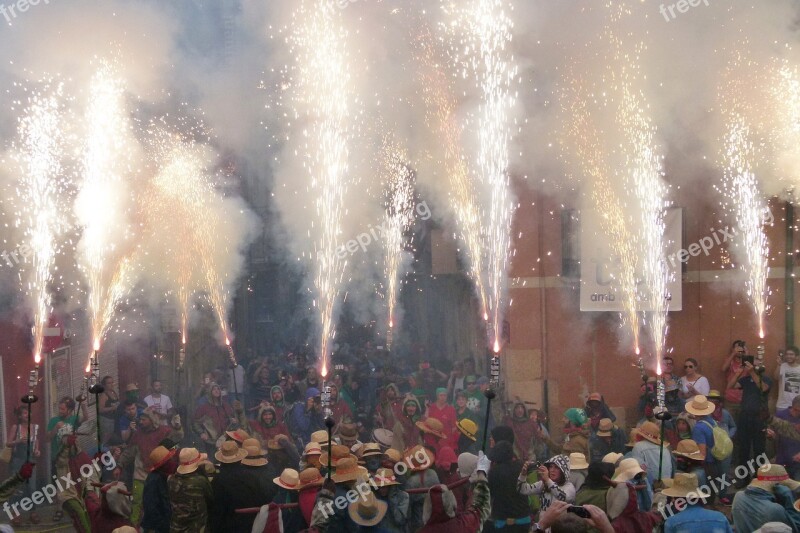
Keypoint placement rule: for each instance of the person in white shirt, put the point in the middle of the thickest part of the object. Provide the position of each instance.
(787, 375)
(693, 383)
(160, 403)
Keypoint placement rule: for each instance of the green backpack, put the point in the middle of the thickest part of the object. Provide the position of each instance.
(723, 445)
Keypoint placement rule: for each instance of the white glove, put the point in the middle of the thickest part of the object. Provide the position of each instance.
(483, 463)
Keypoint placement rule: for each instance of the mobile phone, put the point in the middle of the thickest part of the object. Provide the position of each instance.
(577, 510)
(750, 358)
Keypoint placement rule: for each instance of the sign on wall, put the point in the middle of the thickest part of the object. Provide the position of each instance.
(600, 268)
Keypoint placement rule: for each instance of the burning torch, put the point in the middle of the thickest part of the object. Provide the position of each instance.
(662, 414)
(328, 413)
(96, 388)
(29, 399)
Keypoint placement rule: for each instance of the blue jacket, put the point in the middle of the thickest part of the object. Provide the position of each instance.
(695, 519)
(753, 507)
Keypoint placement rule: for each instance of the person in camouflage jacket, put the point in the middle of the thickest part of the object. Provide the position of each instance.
(190, 494)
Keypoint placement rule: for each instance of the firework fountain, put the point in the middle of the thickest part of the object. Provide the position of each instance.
(39, 191)
(322, 92)
(398, 217)
(106, 244)
(485, 53)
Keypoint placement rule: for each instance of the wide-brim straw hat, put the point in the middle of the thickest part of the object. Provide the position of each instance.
(371, 448)
(338, 452)
(413, 463)
(393, 455)
(311, 477)
(384, 477)
(320, 437)
(348, 431)
(255, 456)
(770, 474)
(605, 427)
(383, 437)
(699, 406)
(230, 452)
(651, 432)
(612, 457)
(289, 479)
(239, 435)
(627, 469)
(367, 511)
(469, 428)
(432, 426)
(689, 449)
(190, 459)
(161, 455)
(275, 442)
(684, 485)
(312, 448)
(130, 387)
(577, 461)
(348, 470)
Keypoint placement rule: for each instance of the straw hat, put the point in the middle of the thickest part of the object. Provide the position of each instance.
(612, 457)
(468, 428)
(714, 394)
(161, 455)
(310, 477)
(383, 437)
(275, 442)
(251, 442)
(190, 459)
(650, 431)
(338, 452)
(393, 455)
(124, 529)
(577, 461)
(239, 435)
(684, 485)
(594, 397)
(367, 511)
(347, 470)
(348, 431)
(289, 479)
(413, 463)
(320, 437)
(689, 449)
(255, 456)
(370, 448)
(433, 426)
(312, 448)
(385, 477)
(627, 469)
(700, 406)
(770, 474)
(230, 452)
(130, 387)
(605, 427)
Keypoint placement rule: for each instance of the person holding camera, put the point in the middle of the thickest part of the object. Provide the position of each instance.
(753, 411)
(553, 484)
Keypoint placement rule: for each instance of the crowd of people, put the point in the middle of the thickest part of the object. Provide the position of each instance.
(406, 452)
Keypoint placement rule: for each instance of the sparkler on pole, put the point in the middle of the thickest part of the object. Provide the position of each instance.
(96, 387)
(494, 383)
(328, 414)
(29, 399)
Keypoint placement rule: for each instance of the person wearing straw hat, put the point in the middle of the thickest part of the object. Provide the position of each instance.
(372, 456)
(630, 471)
(367, 512)
(764, 499)
(311, 455)
(347, 434)
(432, 433)
(578, 468)
(288, 484)
(467, 436)
(281, 453)
(155, 496)
(190, 494)
(421, 475)
(652, 452)
(686, 496)
(347, 472)
(390, 491)
(690, 460)
(608, 438)
(226, 485)
(703, 435)
(310, 481)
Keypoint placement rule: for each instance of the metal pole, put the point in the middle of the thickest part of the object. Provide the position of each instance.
(30, 399)
(788, 292)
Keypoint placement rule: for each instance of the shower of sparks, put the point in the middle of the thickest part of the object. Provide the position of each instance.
(744, 202)
(40, 187)
(101, 205)
(482, 53)
(398, 217)
(323, 93)
(441, 116)
(643, 171)
(583, 139)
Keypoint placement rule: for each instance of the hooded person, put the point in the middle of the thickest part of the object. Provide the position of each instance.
(306, 418)
(268, 424)
(143, 440)
(508, 505)
(439, 507)
(553, 482)
(405, 431)
(212, 418)
(525, 430)
(278, 400)
(340, 409)
(390, 407)
(596, 410)
(576, 432)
